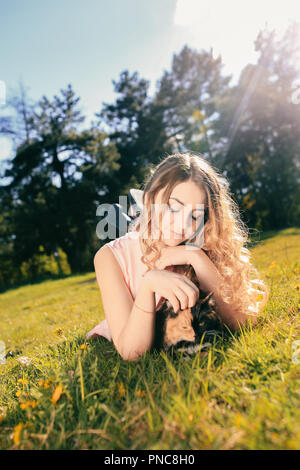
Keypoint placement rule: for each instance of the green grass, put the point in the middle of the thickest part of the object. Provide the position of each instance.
(243, 394)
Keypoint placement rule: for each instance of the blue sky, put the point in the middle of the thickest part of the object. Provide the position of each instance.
(88, 43)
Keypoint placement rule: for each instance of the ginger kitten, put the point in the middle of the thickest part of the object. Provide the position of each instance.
(186, 329)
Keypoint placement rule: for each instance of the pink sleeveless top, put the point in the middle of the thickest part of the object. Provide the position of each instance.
(128, 252)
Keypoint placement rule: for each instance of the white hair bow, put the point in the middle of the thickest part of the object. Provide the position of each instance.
(118, 217)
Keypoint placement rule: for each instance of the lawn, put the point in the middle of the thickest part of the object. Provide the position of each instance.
(244, 393)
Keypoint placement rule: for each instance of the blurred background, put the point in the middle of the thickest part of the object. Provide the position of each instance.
(93, 92)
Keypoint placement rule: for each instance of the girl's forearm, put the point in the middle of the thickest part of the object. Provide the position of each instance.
(137, 335)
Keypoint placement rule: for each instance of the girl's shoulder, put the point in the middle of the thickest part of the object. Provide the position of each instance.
(127, 246)
(126, 239)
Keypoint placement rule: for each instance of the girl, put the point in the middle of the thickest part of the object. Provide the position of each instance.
(135, 272)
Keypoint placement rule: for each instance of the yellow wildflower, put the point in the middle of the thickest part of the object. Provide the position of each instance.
(23, 381)
(28, 404)
(121, 390)
(47, 383)
(57, 394)
(140, 393)
(191, 417)
(83, 346)
(238, 420)
(44, 383)
(18, 393)
(17, 433)
(272, 265)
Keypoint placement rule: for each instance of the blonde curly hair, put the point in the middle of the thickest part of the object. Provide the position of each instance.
(225, 234)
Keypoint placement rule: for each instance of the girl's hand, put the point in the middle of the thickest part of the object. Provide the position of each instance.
(181, 292)
(175, 255)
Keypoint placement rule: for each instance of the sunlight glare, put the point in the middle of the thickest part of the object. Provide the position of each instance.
(230, 28)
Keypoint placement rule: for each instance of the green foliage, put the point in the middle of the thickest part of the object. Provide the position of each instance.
(42, 264)
(38, 267)
(44, 203)
(260, 121)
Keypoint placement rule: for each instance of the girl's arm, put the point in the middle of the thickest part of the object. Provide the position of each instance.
(131, 328)
(138, 333)
(210, 278)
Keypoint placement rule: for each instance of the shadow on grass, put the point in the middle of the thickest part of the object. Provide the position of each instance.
(256, 237)
(89, 281)
(53, 277)
(105, 350)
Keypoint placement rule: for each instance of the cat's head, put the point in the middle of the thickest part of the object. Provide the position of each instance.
(179, 328)
(204, 305)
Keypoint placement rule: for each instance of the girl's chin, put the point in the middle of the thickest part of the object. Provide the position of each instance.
(172, 241)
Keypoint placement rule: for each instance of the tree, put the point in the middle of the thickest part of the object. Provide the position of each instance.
(259, 126)
(136, 128)
(188, 95)
(146, 129)
(58, 175)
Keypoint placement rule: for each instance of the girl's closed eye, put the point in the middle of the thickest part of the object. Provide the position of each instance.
(172, 209)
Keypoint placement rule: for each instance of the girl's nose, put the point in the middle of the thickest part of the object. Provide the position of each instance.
(182, 224)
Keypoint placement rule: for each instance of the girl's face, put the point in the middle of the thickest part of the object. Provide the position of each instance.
(183, 213)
